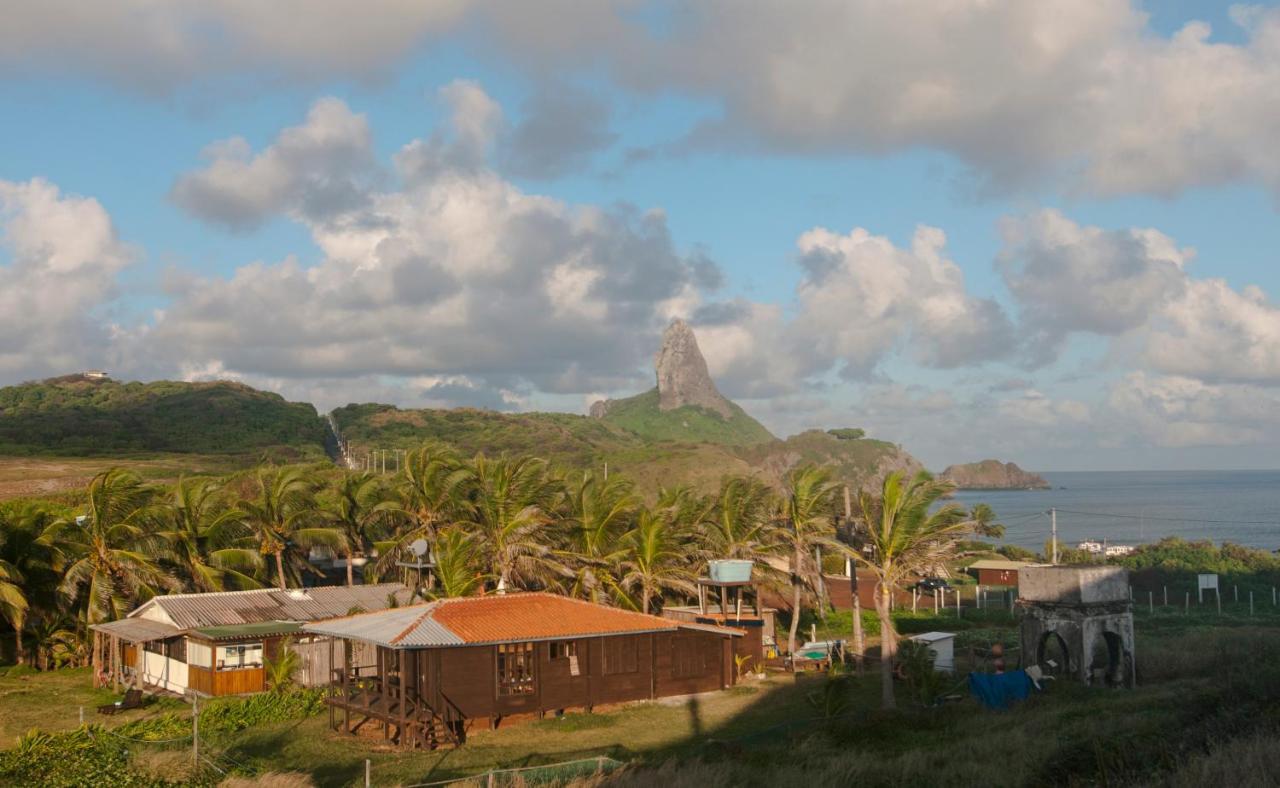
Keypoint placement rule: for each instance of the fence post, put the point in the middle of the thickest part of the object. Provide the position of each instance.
(82, 715)
(599, 764)
(957, 603)
(1188, 610)
(368, 773)
(1166, 596)
(1151, 603)
(1235, 590)
(1218, 595)
(490, 782)
(1250, 603)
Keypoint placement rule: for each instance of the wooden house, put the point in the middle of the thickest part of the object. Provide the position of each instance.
(436, 668)
(218, 643)
(995, 572)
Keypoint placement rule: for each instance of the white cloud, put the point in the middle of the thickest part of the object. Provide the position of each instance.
(1216, 333)
(159, 45)
(456, 274)
(321, 168)
(1181, 412)
(64, 257)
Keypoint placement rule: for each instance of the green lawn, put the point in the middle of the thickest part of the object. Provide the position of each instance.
(52, 702)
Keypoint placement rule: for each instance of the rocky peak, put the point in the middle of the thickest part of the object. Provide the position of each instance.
(993, 475)
(682, 373)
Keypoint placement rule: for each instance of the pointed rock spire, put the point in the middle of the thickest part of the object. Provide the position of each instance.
(682, 373)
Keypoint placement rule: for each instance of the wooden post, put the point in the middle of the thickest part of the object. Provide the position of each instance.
(1250, 603)
(935, 601)
(330, 683)
(1151, 605)
(915, 594)
(368, 773)
(1188, 605)
(404, 699)
(346, 692)
(957, 603)
(1235, 591)
(1218, 595)
(1166, 596)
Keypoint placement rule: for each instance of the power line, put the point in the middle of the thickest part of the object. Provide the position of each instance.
(1171, 519)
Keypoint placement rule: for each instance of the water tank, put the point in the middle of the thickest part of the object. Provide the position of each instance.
(730, 571)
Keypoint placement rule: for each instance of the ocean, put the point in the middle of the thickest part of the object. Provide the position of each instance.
(1135, 507)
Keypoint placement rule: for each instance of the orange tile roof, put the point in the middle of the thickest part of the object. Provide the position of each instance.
(534, 616)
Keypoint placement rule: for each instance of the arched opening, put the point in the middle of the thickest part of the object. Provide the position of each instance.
(1052, 655)
(1106, 663)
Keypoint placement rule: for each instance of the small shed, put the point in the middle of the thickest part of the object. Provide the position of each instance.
(943, 646)
(997, 572)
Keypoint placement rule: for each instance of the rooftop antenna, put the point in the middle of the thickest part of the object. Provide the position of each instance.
(422, 559)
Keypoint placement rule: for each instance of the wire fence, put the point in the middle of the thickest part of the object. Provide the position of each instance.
(563, 770)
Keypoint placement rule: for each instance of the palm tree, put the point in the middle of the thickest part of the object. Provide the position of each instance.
(655, 559)
(430, 493)
(359, 503)
(200, 532)
(984, 522)
(458, 559)
(599, 512)
(739, 525)
(113, 554)
(281, 518)
(29, 567)
(906, 533)
(804, 522)
(509, 503)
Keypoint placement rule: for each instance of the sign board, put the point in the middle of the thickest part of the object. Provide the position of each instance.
(1207, 582)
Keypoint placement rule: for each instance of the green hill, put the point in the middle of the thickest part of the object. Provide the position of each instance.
(579, 442)
(76, 415)
(690, 424)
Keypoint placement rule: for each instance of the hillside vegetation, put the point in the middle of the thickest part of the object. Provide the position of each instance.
(689, 424)
(579, 442)
(76, 416)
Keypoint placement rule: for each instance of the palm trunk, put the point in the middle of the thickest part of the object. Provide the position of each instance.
(795, 607)
(351, 576)
(17, 638)
(859, 640)
(280, 569)
(888, 647)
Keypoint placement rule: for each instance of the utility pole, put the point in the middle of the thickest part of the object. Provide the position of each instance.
(1053, 520)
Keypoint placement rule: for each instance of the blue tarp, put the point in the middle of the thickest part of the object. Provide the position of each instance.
(998, 690)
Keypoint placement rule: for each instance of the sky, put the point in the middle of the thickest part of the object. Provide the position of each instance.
(1043, 232)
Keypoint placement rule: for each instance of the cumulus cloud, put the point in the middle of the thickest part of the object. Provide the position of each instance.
(159, 45)
(63, 259)
(562, 128)
(455, 274)
(1070, 278)
(1086, 94)
(321, 168)
(1174, 411)
(1136, 286)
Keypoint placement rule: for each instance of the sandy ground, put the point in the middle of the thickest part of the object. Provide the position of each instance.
(44, 476)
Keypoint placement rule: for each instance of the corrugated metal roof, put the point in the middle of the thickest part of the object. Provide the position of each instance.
(503, 618)
(712, 628)
(230, 608)
(995, 563)
(239, 631)
(137, 630)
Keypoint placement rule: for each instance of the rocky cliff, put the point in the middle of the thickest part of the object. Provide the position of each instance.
(993, 475)
(685, 406)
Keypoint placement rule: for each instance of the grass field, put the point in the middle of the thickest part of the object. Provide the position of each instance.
(52, 702)
(1209, 703)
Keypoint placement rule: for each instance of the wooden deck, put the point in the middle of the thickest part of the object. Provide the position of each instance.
(405, 720)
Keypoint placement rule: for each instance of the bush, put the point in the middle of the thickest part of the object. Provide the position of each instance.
(86, 756)
(229, 715)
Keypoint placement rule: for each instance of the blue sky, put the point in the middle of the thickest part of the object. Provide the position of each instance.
(582, 176)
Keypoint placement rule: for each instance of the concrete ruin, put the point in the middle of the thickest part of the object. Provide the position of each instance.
(1077, 621)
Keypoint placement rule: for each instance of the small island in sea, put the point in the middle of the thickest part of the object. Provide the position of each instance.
(994, 475)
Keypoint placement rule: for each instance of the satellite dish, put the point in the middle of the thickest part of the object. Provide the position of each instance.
(419, 547)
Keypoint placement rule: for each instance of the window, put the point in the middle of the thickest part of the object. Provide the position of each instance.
(176, 649)
(153, 646)
(621, 655)
(199, 655)
(687, 659)
(515, 669)
(563, 649)
(244, 655)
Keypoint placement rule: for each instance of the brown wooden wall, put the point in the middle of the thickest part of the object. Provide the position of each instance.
(998, 577)
(466, 675)
(239, 681)
(200, 679)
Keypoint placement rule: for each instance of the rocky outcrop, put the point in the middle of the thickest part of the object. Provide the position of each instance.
(993, 475)
(683, 378)
(682, 375)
